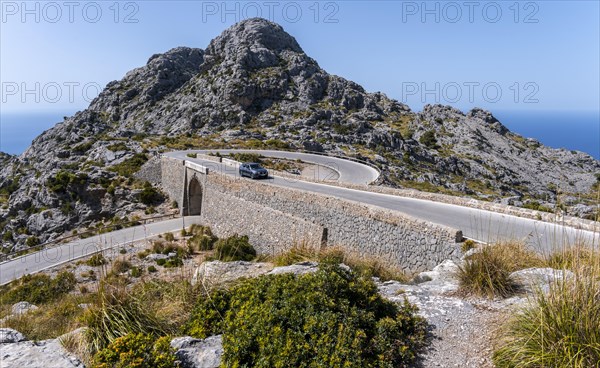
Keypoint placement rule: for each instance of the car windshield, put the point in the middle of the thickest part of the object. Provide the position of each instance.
(254, 166)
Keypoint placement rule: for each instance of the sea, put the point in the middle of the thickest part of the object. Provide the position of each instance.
(559, 129)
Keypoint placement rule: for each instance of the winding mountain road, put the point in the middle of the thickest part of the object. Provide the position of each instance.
(475, 224)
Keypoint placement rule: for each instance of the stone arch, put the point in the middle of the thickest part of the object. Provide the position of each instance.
(194, 199)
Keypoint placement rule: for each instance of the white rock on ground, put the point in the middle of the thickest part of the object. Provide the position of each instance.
(9, 336)
(17, 353)
(297, 269)
(22, 308)
(216, 272)
(532, 279)
(198, 353)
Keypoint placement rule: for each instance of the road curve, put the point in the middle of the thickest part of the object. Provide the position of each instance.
(349, 171)
(477, 224)
(51, 257)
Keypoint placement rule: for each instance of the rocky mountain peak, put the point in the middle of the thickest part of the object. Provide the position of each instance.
(254, 34)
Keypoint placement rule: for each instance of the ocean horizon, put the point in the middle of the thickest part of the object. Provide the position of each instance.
(570, 130)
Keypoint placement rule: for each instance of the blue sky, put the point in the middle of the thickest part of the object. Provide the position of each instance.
(538, 55)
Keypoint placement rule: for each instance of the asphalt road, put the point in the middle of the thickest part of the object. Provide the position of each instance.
(39, 261)
(481, 225)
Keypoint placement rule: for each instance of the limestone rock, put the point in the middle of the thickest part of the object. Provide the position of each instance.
(22, 308)
(10, 336)
(47, 354)
(533, 279)
(198, 353)
(217, 272)
(297, 269)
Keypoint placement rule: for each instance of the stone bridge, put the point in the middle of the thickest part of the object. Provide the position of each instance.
(276, 218)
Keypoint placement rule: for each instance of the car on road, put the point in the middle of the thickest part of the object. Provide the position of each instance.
(253, 170)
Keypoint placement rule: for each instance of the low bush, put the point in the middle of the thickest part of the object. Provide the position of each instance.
(39, 288)
(234, 248)
(131, 165)
(120, 266)
(32, 241)
(136, 350)
(136, 271)
(332, 318)
(96, 260)
(152, 269)
(150, 195)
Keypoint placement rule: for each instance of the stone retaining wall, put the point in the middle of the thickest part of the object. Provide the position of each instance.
(277, 218)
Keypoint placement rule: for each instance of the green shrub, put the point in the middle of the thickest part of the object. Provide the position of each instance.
(96, 260)
(63, 181)
(136, 351)
(161, 261)
(136, 271)
(130, 166)
(169, 237)
(7, 236)
(331, 318)
(120, 146)
(201, 242)
(121, 266)
(468, 245)
(32, 241)
(152, 269)
(150, 195)
(428, 139)
(234, 248)
(39, 288)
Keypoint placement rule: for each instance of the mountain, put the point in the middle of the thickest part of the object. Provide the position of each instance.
(253, 86)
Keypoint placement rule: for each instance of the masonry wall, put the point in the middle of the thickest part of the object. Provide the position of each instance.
(276, 218)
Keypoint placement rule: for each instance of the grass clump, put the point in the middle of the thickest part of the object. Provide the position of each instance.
(487, 272)
(234, 248)
(331, 318)
(561, 325)
(38, 289)
(202, 238)
(560, 328)
(136, 350)
(366, 266)
(117, 313)
(50, 320)
(96, 260)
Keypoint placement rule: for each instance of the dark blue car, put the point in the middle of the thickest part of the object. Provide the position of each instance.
(253, 170)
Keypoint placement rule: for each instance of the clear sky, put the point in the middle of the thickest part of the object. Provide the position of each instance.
(503, 55)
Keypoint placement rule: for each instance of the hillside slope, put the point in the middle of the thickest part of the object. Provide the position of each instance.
(253, 86)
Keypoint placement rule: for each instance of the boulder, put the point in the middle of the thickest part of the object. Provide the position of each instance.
(10, 336)
(533, 279)
(217, 272)
(297, 269)
(46, 354)
(22, 308)
(198, 353)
